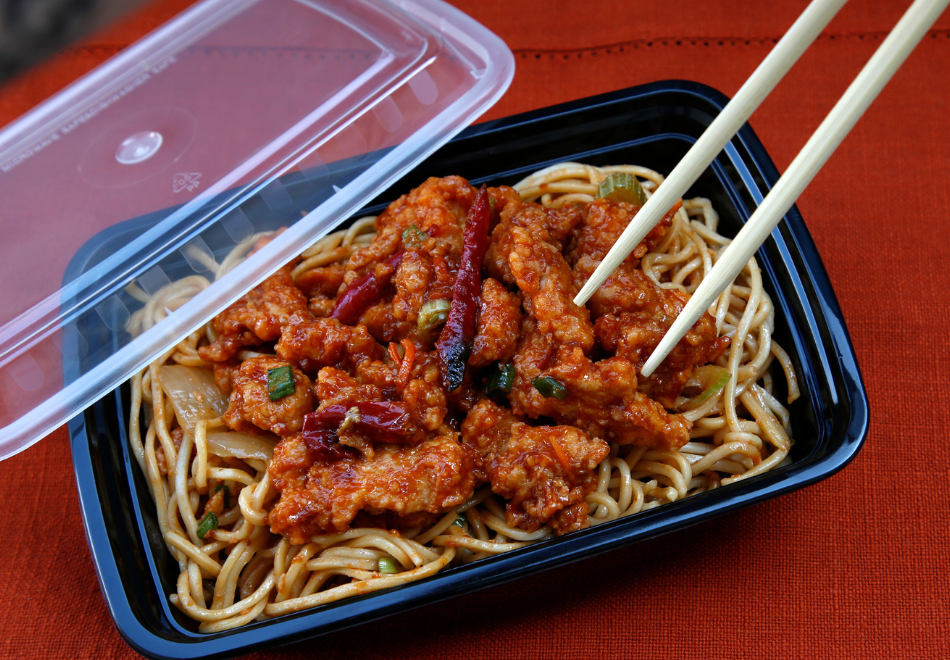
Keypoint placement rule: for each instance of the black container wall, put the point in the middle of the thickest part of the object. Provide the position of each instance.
(653, 125)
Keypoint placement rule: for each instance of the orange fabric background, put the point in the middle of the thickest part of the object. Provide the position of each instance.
(853, 567)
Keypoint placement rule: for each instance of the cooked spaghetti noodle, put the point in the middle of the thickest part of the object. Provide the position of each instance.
(241, 571)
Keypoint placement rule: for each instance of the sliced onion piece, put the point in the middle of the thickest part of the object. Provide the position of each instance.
(193, 394)
(432, 316)
(238, 445)
(711, 379)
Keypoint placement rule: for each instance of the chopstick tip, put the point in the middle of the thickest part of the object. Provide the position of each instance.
(583, 295)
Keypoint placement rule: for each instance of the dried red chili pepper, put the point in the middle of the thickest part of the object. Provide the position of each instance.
(458, 334)
(325, 446)
(322, 440)
(376, 421)
(363, 292)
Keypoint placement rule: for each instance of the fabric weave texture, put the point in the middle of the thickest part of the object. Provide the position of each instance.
(852, 567)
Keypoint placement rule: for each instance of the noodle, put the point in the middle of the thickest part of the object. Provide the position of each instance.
(241, 572)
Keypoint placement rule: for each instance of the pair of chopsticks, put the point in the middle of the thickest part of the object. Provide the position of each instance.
(899, 43)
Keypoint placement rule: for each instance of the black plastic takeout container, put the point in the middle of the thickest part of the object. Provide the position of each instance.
(652, 125)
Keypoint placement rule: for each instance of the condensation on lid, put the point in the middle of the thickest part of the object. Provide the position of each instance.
(168, 163)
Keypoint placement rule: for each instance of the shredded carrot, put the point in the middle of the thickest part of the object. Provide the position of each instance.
(561, 456)
(405, 369)
(394, 354)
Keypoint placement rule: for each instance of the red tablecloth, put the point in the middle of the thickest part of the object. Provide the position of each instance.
(855, 566)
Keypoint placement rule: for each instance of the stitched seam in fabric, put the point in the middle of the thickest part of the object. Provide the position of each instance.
(620, 47)
(607, 49)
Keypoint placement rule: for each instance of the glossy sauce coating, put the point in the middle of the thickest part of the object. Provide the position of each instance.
(539, 453)
(543, 471)
(255, 318)
(319, 496)
(250, 408)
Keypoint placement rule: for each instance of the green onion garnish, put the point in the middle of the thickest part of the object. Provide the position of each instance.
(227, 495)
(501, 380)
(433, 314)
(461, 521)
(413, 237)
(622, 187)
(549, 387)
(280, 382)
(207, 523)
(388, 565)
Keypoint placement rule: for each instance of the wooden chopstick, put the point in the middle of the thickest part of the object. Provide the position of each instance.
(899, 43)
(786, 52)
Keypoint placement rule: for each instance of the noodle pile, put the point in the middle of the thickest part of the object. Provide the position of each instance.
(241, 572)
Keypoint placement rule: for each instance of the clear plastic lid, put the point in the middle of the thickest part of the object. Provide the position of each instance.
(167, 162)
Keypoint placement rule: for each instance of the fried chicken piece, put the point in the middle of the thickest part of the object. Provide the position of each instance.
(634, 336)
(438, 208)
(384, 376)
(601, 399)
(420, 278)
(250, 408)
(320, 305)
(321, 285)
(255, 318)
(312, 343)
(632, 313)
(545, 472)
(557, 227)
(382, 325)
(603, 222)
(316, 497)
(499, 320)
(325, 280)
(544, 278)
(425, 403)
(627, 288)
(487, 427)
(338, 387)
(411, 281)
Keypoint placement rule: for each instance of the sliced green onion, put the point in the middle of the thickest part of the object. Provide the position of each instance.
(501, 380)
(413, 237)
(280, 382)
(461, 521)
(388, 565)
(207, 523)
(227, 495)
(549, 387)
(712, 379)
(433, 314)
(622, 187)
